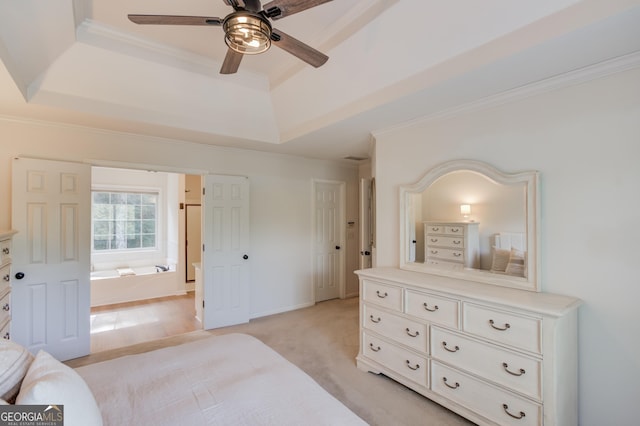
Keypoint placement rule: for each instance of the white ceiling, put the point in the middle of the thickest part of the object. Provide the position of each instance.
(82, 62)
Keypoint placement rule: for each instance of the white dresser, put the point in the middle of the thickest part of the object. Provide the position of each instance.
(452, 244)
(491, 354)
(5, 283)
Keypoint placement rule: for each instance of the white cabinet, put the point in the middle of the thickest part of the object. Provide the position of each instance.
(496, 356)
(5, 283)
(452, 244)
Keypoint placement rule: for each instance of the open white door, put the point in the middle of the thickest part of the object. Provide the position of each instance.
(366, 228)
(50, 292)
(225, 256)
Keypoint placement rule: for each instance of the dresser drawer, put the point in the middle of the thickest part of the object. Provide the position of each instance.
(450, 255)
(492, 402)
(5, 252)
(5, 277)
(515, 371)
(403, 330)
(435, 309)
(382, 294)
(442, 229)
(5, 330)
(503, 327)
(400, 360)
(449, 242)
(5, 305)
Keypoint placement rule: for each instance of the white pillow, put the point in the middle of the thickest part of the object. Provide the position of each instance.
(50, 382)
(14, 363)
(516, 266)
(500, 259)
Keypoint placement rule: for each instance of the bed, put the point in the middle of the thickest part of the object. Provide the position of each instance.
(232, 379)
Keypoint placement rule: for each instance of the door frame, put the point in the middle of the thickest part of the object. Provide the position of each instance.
(342, 220)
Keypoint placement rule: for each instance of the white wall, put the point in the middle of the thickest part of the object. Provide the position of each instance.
(281, 194)
(585, 141)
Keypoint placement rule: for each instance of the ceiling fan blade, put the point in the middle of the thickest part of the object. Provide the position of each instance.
(174, 20)
(278, 9)
(231, 62)
(298, 48)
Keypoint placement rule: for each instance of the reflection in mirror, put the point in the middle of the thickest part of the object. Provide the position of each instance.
(466, 219)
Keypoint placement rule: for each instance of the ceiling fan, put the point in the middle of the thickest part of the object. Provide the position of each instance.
(248, 30)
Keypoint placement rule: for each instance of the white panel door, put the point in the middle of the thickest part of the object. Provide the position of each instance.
(225, 259)
(328, 237)
(51, 209)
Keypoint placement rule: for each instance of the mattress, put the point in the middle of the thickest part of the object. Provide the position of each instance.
(232, 379)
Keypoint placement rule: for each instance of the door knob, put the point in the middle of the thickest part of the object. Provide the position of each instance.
(19, 275)
(245, 257)
(337, 247)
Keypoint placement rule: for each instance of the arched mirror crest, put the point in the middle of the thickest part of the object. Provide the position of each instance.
(466, 219)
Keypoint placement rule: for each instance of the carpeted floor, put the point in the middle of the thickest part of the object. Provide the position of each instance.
(323, 341)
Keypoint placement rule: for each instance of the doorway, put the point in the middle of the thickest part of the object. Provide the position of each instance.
(139, 257)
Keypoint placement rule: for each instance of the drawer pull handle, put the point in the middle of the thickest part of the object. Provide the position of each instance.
(435, 229)
(455, 229)
(434, 251)
(457, 254)
(374, 320)
(456, 385)
(5, 250)
(6, 307)
(506, 326)
(456, 241)
(413, 368)
(455, 348)
(375, 349)
(506, 368)
(6, 336)
(426, 307)
(7, 278)
(506, 410)
(381, 296)
(413, 335)
(434, 240)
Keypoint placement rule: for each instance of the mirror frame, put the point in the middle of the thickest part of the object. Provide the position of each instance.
(532, 209)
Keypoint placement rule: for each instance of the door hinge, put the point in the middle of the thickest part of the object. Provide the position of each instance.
(203, 247)
(203, 191)
(203, 304)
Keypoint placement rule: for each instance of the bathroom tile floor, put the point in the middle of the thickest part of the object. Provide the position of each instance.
(124, 324)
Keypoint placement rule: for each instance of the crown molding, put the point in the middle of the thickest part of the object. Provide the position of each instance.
(571, 78)
(93, 33)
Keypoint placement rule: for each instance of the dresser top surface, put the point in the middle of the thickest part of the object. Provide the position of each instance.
(5, 233)
(544, 303)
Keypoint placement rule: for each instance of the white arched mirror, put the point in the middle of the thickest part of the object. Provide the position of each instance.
(466, 219)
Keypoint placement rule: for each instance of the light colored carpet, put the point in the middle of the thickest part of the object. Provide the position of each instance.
(323, 341)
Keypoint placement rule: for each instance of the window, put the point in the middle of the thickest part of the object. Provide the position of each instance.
(124, 220)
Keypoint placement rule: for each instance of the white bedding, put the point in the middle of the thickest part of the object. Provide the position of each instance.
(231, 379)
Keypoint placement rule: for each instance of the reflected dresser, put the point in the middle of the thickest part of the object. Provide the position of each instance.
(495, 355)
(453, 244)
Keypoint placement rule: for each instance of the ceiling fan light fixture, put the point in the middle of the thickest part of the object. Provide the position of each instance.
(247, 33)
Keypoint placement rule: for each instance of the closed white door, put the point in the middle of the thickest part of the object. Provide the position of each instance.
(51, 209)
(225, 259)
(328, 240)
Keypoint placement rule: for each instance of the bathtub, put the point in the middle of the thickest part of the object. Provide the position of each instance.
(108, 286)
